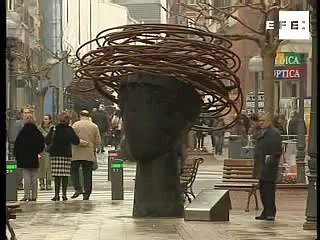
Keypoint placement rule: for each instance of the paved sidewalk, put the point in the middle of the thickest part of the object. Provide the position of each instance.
(111, 220)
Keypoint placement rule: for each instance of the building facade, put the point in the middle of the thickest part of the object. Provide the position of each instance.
(83, 20)
(246, 49)
(24, 30)
(146, 11)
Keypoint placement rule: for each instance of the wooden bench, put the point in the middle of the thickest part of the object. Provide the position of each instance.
(237, 176)
(11, 213)
(188, 175)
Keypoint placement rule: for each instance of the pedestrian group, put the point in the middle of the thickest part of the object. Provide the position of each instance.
(49, 151)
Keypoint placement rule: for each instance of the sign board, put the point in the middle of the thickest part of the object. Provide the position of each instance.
(67, 73)
(292, 25)
(290, 66)
(112, 154)
(250, 102)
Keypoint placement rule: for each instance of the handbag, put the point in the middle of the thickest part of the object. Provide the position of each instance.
(48, 147)
(95, 162)
(95, 165)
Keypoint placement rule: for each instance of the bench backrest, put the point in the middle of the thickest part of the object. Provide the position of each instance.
(239, 170)
(189, 170)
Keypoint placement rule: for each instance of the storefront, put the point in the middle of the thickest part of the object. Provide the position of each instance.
(290, 71)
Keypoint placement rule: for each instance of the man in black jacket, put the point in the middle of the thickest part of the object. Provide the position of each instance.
(267, 154)
(293, 125)
(100, 119)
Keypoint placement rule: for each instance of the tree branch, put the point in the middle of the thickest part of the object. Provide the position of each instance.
(276, 7)
(235, 18)
(185, 17)
(239, 37)
(237, 6)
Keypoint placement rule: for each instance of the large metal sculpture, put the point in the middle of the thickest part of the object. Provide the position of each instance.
(162, 73)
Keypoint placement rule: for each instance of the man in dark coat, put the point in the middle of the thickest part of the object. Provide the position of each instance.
(293, 125)
(267, 152)
(100, 118)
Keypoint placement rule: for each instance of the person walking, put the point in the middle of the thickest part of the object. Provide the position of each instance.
(219, 136)
(277, 124)
(116, 123)
(293, 125)
(25, 111)
(45, 166)
(84, 154)
(59, 140)
(27, 147)
(267, 153)
(244, 120)
(100, 117)
(212, 123)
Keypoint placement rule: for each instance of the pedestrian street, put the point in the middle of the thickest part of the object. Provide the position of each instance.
(206, 177)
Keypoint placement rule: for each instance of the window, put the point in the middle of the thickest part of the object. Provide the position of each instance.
(10, 5)
(284, 3)
(221, 3)
(205, 1)
(289, 88)
(31, 23)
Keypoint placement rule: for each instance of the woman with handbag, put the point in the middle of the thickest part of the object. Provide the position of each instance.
(60, 140)
(27, 147)
(45, 166)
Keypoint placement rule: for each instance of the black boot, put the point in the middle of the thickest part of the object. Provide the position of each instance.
(42, 186)
(48, 185)
(64, 188)
(57, 182)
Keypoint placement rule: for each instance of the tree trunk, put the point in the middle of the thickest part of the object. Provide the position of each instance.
(40, 109)
(268, 57)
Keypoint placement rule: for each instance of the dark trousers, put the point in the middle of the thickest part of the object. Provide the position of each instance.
(117, 138)
(213, 141)
(200, 139)
(268, 198)
(19, 178)
(57, 184)
(103, 137)
(87, 176)
(219, 144)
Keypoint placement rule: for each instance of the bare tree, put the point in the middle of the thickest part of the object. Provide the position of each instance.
(267, 40)
(35, 75)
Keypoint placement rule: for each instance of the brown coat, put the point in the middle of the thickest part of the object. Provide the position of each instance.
(89, 135)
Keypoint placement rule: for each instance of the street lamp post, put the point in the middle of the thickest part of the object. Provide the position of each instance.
(311, 211)
(301, 141)
(256, 65)
(13, 98)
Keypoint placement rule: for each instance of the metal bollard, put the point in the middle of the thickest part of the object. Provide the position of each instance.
(112, 154)
(11, 181)
(117, 179)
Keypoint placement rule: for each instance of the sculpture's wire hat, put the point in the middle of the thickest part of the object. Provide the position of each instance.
(199, 58)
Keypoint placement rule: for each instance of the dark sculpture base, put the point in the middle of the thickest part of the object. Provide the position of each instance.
(157, 188)
(157, 111)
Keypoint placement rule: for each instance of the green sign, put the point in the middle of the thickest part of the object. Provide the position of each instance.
(11, 166)
(290, 59)
(116, 165)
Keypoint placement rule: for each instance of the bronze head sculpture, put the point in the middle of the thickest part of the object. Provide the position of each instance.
(161, 73)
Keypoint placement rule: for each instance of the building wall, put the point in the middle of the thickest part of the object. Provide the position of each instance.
(95, 16)
(24, 24)
(299, 47)
(246, 49)
(145, 11)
